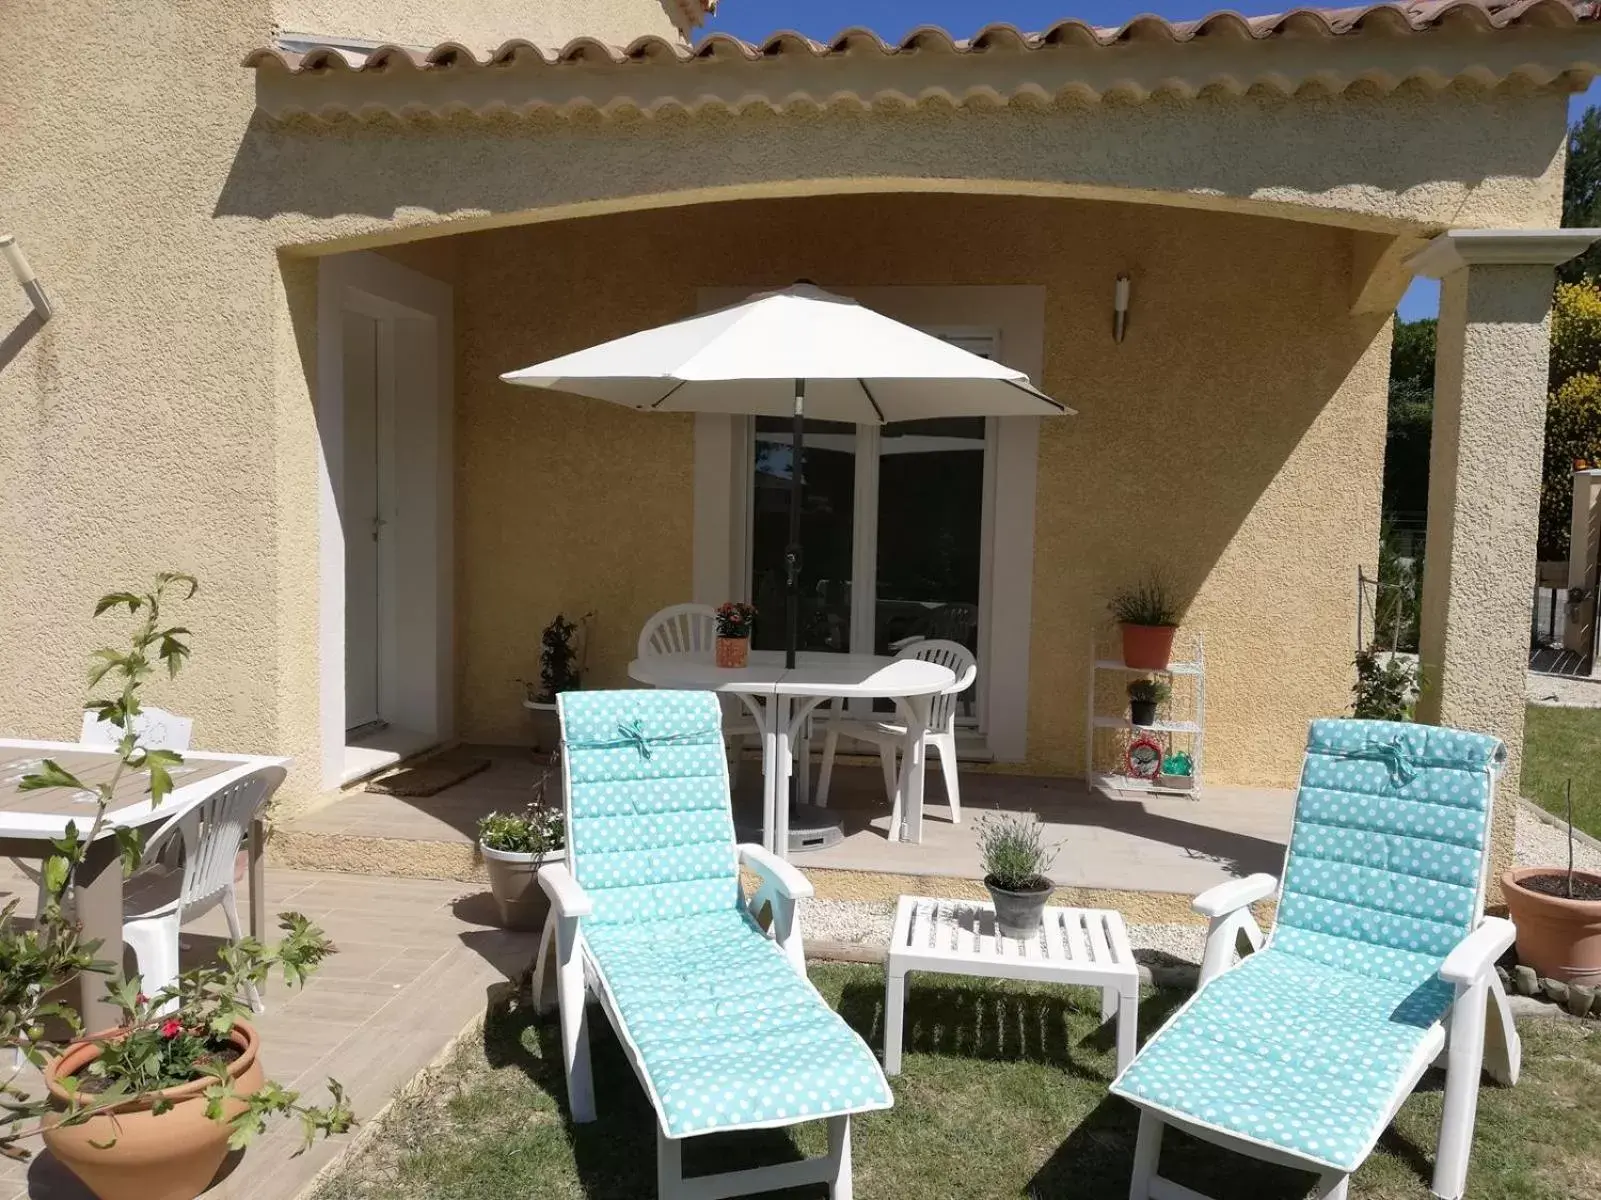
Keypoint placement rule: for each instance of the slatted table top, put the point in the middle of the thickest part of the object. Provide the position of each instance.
(45, 813)
(1082, 945)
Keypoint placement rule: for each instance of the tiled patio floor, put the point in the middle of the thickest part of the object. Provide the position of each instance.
(1126, 842)
(415, 959)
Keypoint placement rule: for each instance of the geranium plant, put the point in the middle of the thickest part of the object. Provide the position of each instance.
(181, 1033)
(735, 619)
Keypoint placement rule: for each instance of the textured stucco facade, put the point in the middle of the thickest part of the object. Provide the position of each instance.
(1248, 475)
(167, 416)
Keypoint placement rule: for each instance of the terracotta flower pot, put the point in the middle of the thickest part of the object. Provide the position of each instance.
(173, 1156)
(732, 651)
(1147, 647)
(1558, 937)
(514, 882)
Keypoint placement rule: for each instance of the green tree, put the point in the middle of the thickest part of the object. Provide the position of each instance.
(1581, 192)
(1406, 446)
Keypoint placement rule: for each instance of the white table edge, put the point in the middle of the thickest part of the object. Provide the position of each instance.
(40, 826)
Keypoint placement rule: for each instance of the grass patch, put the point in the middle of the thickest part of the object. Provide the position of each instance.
(1561, 744)
(1003, 1095)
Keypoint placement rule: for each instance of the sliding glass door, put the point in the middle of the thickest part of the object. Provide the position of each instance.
(894, 531)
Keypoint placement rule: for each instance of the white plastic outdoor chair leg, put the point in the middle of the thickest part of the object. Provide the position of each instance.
(574, 1021)
(155, 949)
(886, 759)
(230, 910)
(825, 776)
(840, 1186)
(1147, 1150)
(1464, 1061)
(945, 743)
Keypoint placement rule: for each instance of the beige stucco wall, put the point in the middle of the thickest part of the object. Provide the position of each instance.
(1234, 439)
(166, 418)
(480, 25)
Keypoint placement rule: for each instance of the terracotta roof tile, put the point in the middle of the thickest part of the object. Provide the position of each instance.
(1417, 16)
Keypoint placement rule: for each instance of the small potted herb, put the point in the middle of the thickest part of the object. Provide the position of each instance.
(1143, 697)
(514, 846)
(1177, 773)
(1148, 619)
(734, 622)
(1558, 915)
(1015, 863)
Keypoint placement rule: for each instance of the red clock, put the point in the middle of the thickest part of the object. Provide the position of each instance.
(1144, 757)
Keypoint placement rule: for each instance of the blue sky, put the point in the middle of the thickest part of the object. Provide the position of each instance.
(822, 19)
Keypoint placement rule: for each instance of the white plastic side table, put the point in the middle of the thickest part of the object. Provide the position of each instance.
(1085, 946)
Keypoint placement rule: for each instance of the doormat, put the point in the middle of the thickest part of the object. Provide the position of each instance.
(427, 778)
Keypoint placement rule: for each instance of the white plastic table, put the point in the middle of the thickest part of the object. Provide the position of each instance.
(1086, 946)
(781, 699)
(29, 820)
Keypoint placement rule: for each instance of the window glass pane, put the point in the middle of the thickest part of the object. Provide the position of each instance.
(930, 531)
(828, 510)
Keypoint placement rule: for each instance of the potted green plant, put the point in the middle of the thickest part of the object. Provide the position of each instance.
(563, 645)
(1558, 915)
(1148, 619)
(1143, 697)
(514, 847)
(1015, 861)
(147, 1110)
(735, 620)
(1177, 772)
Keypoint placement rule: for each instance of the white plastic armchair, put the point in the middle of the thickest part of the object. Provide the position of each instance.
(1227, 909)
(783, 887)
(1380, 964)
(890, 736)
(210, 835)
(692, 629)
(154, 727)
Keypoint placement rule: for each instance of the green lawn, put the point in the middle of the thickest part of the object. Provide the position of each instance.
(1561, 744)
(1003, 1095)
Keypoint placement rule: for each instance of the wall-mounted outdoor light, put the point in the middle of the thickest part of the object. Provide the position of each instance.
(1120, 308)
(14, 341)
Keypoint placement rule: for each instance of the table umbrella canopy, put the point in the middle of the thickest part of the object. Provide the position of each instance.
(858, 366)
(800, 352)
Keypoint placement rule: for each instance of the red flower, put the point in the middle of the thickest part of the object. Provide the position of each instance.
(171, 1027)
(141, 998)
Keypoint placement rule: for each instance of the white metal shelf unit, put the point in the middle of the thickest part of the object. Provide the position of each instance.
(1192, 668)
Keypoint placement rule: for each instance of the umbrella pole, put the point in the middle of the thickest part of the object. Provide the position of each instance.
(792, 552)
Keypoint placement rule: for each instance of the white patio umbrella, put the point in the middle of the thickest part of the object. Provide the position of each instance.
(800, 352)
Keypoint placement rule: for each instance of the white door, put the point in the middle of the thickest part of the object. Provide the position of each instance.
(362, 519)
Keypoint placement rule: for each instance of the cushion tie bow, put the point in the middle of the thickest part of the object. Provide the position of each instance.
(632, 733)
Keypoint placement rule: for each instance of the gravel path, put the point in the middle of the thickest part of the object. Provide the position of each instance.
(867, 922)
(1561, 691)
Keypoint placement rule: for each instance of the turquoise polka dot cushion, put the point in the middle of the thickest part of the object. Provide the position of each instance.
(725, 1032)
(1303, 1046)
(1289, 1053)
(650, 832)
(730, 1037)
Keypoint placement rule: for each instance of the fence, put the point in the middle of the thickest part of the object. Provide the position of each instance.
(1387, 610)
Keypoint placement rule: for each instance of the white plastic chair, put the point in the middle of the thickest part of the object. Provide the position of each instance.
(890, 736)
(155, 728)
(210, 835)
(692, 629)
